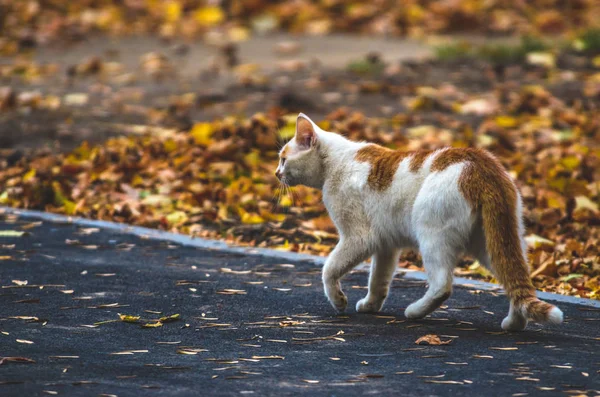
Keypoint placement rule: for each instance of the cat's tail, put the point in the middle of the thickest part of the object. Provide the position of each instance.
(500, 210)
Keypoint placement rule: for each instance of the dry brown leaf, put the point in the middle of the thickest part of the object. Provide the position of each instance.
(432, 339)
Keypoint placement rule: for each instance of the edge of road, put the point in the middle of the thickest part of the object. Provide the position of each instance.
(217, 245)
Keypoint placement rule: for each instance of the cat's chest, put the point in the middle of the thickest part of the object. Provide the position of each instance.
(345, 207)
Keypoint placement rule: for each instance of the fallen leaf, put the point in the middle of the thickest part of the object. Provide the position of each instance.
(129, 319)
(12, 233)
(153, 325)
(432, 339)
(20, 360)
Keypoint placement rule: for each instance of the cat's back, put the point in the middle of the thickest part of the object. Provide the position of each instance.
(388, 171)
(385, 167)
(391, 180)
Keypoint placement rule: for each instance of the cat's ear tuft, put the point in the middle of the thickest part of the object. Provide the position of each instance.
(306, 136)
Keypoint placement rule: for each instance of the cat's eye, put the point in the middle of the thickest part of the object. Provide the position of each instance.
(282, 161)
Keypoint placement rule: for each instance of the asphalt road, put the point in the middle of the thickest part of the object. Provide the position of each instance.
(253, 325)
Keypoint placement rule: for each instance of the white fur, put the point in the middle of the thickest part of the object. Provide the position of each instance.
(423, 210)
(555, 316)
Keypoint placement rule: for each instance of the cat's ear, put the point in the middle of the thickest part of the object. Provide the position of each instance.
(306, 136)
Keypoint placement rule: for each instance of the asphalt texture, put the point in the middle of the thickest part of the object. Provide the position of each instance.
(253, 325)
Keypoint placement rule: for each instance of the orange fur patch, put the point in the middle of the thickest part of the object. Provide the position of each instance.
(417, 159)
(384, 163)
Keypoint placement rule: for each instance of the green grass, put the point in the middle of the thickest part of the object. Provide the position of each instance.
(589, 40)
(533, 44)
(453, 51)
(365, 67)
(494, 53)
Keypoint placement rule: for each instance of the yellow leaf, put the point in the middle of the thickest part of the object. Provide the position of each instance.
(481, 270)
(170, 318)
(223, 213)
(239, 33)
(571, 162)
(153, 325)
(288, 131)
(559, 184)
(253, 159)
(107, 17)
(12, 233)
(325, 125)
(69, 207)
(545, 59)
(420, 131)
(506, 121)
(61, 200)
(202, 132)
(250, 218)
(283, 247)
(170, 145)
(129, 319)
(29, 175)
(274, 217)
(285, 201)
(209, 16)
(535, 241)
(556, 202)
(137, 180)
(582, 202)
(156, 200)
(177, 217)
(172, 11)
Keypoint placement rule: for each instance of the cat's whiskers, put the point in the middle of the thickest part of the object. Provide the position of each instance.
(276, 198)
(291, 195)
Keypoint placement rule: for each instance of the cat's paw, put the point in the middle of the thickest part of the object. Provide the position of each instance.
(366, 306)
(338, 300)
(333, 292)
(414, 311)
(514, 323)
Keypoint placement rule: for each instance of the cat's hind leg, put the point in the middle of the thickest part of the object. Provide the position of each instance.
(515, 320)
(439, 260)
(348, 253)
(383, 266)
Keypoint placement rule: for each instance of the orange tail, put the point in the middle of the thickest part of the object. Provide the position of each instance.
(497, 198)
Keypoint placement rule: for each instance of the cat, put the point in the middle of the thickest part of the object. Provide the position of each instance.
(445, 203)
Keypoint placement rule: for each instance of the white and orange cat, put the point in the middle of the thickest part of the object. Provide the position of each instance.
(444, 203)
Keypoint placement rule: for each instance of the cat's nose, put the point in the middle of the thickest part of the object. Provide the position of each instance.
(278, 174)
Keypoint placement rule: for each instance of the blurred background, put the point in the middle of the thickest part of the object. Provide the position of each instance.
(169, 114)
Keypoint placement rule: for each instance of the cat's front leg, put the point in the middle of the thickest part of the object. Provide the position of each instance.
(348, 253)
(383, 266)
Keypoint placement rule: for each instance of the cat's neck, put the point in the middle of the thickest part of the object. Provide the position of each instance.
(337, 152)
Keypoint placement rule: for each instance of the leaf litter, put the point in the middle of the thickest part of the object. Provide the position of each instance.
(214, 179)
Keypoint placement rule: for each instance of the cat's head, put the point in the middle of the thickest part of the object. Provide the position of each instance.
(300, 162)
